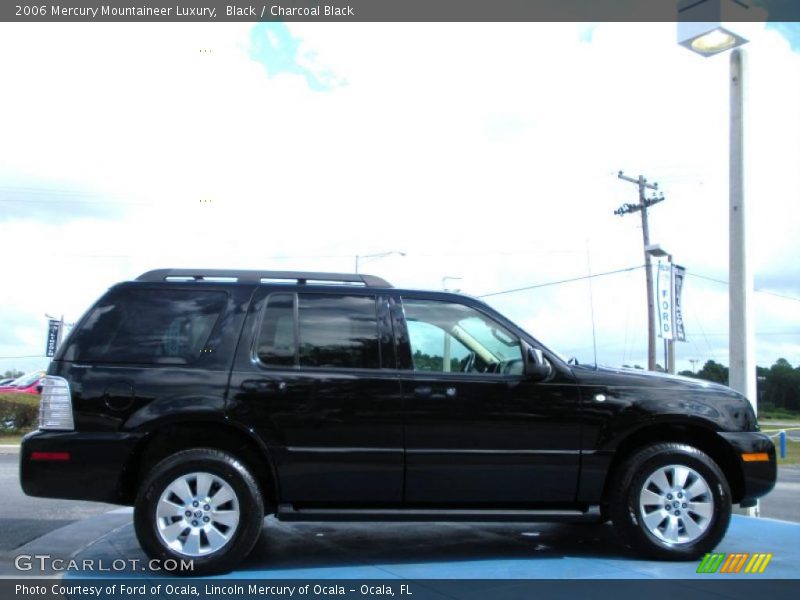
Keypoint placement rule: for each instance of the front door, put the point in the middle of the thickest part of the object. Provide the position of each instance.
(479, 433)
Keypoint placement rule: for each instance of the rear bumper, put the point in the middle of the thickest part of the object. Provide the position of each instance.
(758, 476)
(75, 465)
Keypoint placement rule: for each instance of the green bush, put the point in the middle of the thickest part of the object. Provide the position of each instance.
(18, 412)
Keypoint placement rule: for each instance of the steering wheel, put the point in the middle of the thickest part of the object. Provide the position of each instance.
(509, 366)
(468, 363)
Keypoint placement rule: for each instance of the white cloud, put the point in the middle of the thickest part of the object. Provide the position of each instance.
(485, 151)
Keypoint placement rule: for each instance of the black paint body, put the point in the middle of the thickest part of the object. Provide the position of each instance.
(391, 438)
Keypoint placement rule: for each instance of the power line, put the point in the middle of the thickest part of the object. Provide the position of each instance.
(628, 269)
(760, 291)
(549, 283)
(758, 333)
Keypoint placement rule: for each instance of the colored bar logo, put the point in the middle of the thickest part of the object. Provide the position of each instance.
(734, 563)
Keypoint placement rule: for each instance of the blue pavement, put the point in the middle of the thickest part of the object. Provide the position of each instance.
(420, 551)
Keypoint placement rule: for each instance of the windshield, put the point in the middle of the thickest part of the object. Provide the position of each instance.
(497, 341)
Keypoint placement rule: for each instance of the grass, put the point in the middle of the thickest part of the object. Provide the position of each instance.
(792, 447)
(792, 453)
(778, 417)
(29, 399)
(14, 438)
(769, 411)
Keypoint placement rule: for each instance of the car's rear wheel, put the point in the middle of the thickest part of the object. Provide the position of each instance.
(670, 501)
(200, 505)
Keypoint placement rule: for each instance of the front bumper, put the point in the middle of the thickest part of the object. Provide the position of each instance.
(75, 465)
(758, 476)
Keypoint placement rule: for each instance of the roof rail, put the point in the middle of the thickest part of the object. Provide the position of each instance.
(301, 277)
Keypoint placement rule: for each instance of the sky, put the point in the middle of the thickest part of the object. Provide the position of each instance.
(483, 152)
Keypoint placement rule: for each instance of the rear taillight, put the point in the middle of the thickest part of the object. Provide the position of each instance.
(55, 408)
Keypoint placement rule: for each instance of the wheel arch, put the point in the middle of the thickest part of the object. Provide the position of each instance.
(221, 435)
(702, 438)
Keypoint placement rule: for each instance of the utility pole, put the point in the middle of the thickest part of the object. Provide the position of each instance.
(642, 206)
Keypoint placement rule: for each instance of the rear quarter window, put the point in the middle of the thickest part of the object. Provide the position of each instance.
(331, 331)
(147, 326)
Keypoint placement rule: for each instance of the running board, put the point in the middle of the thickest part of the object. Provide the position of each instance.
(287, 512)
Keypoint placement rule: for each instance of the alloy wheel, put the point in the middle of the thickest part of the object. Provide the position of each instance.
(676, 504)
(197, 514)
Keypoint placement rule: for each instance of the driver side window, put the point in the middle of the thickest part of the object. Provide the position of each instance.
(448, 337)
(433, 349)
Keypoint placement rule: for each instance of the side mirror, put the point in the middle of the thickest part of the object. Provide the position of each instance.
(536, 365)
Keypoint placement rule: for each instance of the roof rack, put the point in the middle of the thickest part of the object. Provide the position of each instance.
(301, 277)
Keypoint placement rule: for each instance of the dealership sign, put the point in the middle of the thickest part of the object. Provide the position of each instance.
(53, 331)
(665, 303)
(669, 308)
(678, 275)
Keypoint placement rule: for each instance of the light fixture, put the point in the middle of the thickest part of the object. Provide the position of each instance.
(709, 27)
(656, 250)
(717, 40)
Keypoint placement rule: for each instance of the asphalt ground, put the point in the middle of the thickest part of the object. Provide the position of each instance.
(405, 551)
(23, 519)
(88, 530)
(783, 502)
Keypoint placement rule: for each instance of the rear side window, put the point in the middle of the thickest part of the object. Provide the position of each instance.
(332, 330)
(147, 326)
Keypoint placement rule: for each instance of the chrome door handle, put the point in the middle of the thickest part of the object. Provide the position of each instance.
(425, 391)
(263, 385)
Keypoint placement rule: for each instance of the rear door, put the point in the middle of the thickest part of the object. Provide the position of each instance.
(316, 379)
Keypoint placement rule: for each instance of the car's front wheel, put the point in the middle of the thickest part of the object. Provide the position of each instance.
(200, 505)
(670, 501)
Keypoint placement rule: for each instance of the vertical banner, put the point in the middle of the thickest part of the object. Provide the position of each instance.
(679, 274)
(664, 300)
(53, 333)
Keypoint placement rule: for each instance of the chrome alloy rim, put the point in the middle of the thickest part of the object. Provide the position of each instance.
(197, 514)
(676, 504)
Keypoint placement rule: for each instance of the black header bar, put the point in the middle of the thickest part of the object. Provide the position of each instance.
(380, 10)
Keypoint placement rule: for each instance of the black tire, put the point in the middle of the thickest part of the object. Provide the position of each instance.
(226, 474)
(629, 504)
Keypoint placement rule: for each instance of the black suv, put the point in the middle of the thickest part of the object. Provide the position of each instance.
(207, 399)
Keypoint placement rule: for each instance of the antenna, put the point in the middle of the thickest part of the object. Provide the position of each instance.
(591, 301)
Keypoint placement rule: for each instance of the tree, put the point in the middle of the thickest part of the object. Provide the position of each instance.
(713, 371)
(777, 387)
(782, 386)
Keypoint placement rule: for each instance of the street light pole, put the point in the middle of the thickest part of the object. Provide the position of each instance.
(741, 345)
(447, 278)
(374, 256)
(701, 29)
(707, 37)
